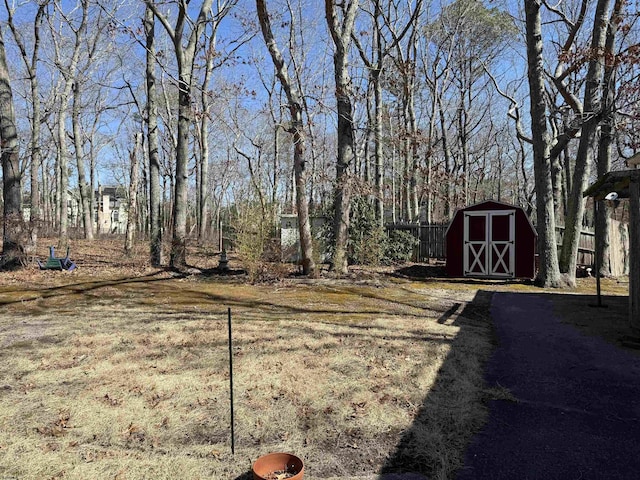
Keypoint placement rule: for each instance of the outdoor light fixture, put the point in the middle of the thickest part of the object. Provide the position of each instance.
(611, 196)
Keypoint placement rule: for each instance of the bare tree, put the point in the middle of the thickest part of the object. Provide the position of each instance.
(84, 188)
(341, 19)
(460, 49)
(31, 64)
(214, 59)
(68, 72)
(155, 217)
(11, 175)
(405, 67)
(185, 56)
(298, 137)
(375, 63)
(133, 194)
(592, 112)
(549, 272)
(607, 136)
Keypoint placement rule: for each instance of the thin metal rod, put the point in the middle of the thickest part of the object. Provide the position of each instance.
(596, 252)
(233, 442)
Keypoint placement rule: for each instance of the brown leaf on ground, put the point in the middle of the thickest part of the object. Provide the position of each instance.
(58, 427)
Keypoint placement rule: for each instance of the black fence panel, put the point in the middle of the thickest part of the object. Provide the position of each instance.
(432, 241)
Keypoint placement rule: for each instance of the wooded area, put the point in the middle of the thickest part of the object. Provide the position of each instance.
(362, 111)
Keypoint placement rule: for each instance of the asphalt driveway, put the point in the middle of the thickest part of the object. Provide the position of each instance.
(577, 414)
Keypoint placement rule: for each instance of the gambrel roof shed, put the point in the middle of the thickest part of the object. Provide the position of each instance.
(491, 239)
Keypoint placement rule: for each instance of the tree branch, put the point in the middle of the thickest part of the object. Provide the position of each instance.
(514, 109)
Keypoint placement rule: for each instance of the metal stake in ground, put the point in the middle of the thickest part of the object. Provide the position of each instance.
(233, 446)
(595, 253)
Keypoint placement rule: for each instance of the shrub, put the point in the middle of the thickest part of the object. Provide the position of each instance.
(368, 242)
(399, 246)
(366, 237)
(252, 231)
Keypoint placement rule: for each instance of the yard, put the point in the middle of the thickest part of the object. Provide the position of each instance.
(121, 372)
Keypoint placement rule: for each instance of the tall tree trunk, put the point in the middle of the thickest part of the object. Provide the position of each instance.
(464, 148)
(605, 145)
(592, 108)
(548, 273)
(203, 190)
(415, 161)
(57, 180)
(449, 205)
(377, 140)
(406, 64)
(185, 54)
(133, 195)
(179, 240)
(63, 172)
(36, 160)
(83, 186)
(47, 207)
(32, 71)
(92, 182)
(346, 156)
(297, 130)
(155, 204)
(429, 159)
(394, 198)
(69, 72)
(275, 176)
(406, 166)
(341, 35)
(11, 176)
(203, 184)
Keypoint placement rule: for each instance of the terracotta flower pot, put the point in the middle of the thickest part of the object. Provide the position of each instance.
(269, 466)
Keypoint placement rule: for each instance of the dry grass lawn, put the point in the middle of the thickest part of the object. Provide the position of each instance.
(116, 371)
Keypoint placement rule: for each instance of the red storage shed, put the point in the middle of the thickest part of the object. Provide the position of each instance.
(491, 240)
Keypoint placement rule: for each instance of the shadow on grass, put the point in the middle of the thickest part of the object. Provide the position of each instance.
(453, 410)
(83, 287)
(219, 301)
(611, 323)
(437, 273)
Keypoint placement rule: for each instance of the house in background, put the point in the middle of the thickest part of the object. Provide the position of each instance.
(109, 215)
(111, 209)
(73, 208)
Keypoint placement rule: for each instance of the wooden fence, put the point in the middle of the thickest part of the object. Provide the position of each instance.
(586, 246)
(432, 239)
(433, 242)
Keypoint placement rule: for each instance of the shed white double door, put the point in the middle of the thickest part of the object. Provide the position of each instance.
(489, 243)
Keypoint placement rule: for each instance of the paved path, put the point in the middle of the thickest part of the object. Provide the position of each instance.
(578, 415)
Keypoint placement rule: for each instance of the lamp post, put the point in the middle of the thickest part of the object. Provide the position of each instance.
(595, 251)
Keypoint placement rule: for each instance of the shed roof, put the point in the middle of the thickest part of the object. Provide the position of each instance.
(499, 203)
